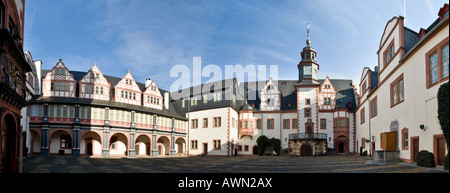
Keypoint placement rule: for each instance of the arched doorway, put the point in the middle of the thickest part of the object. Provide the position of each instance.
(142, 145)
(8, 144)
(90, 144)
(180, 144)
(163, 144)
(306, 150)
(341, 147)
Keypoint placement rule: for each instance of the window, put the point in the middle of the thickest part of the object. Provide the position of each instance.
(364, 88)
(308, 101)
(270, 123)
(286, 124)
(433, 69)
(373, 107)
(217, 145)
(65, 142)
(101, 90)
(342, 122)
(307, 112)
(437, 60)
(445, 53)
(194, 144)
(389, 53)
(194, 123)
(323, 123)
(392, 51)
(405, 141)
(258, 123)
(294, 124)
(397, 88)
(362, 116)
(217, 121)
(205, 122)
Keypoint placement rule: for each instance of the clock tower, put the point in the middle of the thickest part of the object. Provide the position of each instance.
(308, 67)
(307, 89)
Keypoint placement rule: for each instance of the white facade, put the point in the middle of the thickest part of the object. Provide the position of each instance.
(404, 100)
(215, 137)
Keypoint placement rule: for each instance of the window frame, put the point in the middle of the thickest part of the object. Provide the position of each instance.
(395, 95)
(436, 50)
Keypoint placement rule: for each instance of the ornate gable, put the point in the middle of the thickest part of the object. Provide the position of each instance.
(270, 97)
(327, 95)
(127, 90)
(93, 85)
(152, 97)
(59, 82)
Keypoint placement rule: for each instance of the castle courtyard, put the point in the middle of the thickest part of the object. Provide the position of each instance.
(241, 164)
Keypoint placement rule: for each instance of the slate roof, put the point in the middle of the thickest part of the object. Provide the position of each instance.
(251, 91)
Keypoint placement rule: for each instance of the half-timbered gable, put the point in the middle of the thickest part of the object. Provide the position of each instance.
(152, 97)
(270, 97)
(327, 95)
(93, 85)
(59, 82)
(127, 91)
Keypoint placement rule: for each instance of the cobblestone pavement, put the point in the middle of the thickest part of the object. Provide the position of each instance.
(244, 164)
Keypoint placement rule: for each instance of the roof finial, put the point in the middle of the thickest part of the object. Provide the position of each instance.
(308, 42)
(308, 31)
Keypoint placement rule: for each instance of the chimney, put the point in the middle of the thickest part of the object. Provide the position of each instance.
(148, 81)
(166, 100)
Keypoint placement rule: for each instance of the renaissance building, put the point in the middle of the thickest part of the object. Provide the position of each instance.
(89, 113)
(399, 96)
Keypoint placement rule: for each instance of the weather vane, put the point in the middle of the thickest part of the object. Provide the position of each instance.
(308, 31)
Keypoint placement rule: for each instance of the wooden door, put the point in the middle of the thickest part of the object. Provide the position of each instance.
(415, 149)
(205, 148)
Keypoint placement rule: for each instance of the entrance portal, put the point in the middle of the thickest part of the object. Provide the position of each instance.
(341, 148)
(306, 150)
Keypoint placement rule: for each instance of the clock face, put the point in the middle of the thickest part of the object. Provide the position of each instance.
(307, 70)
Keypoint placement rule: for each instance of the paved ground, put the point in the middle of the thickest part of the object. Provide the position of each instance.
(251, 164)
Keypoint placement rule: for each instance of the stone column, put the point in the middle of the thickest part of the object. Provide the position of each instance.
(154, 146)
(105, 149)
(44, 141)
(132, 151)
(76, 141)
(172, 146)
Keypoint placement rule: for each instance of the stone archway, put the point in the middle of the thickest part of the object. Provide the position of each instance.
(142, 145)
(118, 144)
(306, 150)
(91, 144)
(60, 142)
(8, 144)
(180, 144)
(341, 145)
(163, 144)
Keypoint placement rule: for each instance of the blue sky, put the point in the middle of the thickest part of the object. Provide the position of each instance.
(149, 37)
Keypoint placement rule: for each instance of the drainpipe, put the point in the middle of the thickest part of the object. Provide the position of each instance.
(370, 131)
